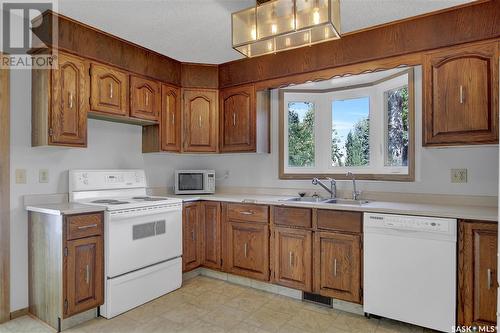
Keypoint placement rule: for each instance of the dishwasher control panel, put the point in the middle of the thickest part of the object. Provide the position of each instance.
(403, 222)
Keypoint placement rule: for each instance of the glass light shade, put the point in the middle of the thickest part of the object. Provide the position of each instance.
(279, 25)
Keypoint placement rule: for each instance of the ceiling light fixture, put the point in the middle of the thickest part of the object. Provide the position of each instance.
(284, 25)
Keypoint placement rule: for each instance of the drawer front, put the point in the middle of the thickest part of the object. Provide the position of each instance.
(340, 221)
(294, 217)
(245, 212)
(80, 226)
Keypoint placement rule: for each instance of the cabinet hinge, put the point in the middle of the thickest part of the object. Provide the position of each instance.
(222, 262)
(51, 132)
(65, 251)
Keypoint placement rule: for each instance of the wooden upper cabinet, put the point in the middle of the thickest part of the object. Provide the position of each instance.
(238, 119)
(145, 98)
(211, 229)
(337, 266)
(200, 120)
(461, 95)
(109, 90)
(191, 236)
(292, 265)
(70, 102)
(477, 273)
(170, 118)
(84, 275)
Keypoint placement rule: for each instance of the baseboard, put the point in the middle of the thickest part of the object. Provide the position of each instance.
(19, 313)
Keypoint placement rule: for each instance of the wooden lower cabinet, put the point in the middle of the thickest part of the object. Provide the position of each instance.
(246, 249)
(191, 236)
(337, 266)
(477, 273)
(292, 258)
(211, 230)
(84, 271)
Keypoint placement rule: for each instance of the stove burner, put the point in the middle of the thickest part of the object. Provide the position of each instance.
(149, 198)
(110, 202)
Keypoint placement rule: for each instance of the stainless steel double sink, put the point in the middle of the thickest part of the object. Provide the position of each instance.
(332, 201)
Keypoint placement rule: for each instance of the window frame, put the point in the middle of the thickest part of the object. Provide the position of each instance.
(286, 172)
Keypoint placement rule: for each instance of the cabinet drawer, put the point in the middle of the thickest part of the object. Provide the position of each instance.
(294, 217)
(245, 212)
(80, 226)
(340, 221)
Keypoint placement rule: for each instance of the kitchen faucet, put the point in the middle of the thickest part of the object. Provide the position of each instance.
(355, 193)
(333, 186)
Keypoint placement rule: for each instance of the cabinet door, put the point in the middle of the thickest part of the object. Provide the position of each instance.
(238, 119)
(145, 98)
(211, 228)
(191, 232)
(200, 120)
(84, 275)
(246, 249)
(109, 90)
(170, 118)
(477, 269)
(338, 266)
(292, 265)
(461, 95)
(70, 102)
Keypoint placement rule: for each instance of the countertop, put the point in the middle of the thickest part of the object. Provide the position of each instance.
(484, 213)
(67, 208)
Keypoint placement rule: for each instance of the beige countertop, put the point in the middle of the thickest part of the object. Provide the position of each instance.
(484, 213)
(67, 208)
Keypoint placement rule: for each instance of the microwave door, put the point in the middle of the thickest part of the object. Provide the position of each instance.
(191, 182)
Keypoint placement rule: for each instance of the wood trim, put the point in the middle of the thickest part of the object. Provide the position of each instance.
(463, 24)
(19, 313)
(199, 76)
(4, 195)
(94, 44)
(410, 177)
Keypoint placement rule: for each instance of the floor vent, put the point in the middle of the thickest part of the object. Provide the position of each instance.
(317, 299)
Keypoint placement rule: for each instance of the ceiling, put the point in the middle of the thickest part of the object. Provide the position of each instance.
(200, 30)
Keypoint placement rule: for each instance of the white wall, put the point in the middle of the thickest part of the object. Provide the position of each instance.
(110, 145)
(119, 146)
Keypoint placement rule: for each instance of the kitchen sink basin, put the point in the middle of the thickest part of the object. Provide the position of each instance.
(305, 199)
(346, 202)
(328, 201)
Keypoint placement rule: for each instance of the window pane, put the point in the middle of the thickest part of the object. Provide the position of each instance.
(396, 102)
(351, 132)
(300, 134)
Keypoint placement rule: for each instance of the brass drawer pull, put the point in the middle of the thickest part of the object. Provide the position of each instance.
(247, 212)
(87, 226)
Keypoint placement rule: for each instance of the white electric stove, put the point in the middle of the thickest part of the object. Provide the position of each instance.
(143, 236)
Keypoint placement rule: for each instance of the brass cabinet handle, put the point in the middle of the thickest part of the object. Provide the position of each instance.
(192, 235)
(87, 226)
(70, 100)
(290, 258)
(87, 274)
(461, 94)
(173, 118)
(335, 267)
(245, 248)
(199, 121)
(147, 99)
(234, 119)
(110, 90)
(488, 275)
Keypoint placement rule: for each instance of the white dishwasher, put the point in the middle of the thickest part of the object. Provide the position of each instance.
(410, 269)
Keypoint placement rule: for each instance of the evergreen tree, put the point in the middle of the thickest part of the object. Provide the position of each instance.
(337, 154)
(358, 144)
(397, 122)
(301, 138)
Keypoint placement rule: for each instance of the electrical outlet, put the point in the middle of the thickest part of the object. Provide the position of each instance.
(458, 176)
(43, 176)
(20, 176)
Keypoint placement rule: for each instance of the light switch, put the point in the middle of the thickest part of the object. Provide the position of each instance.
(20, 176)
(459, 176)
(43, 176)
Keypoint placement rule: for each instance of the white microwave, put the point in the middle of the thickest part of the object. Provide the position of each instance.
(194, 181)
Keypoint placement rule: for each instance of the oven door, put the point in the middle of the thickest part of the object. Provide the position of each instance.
(138, 238)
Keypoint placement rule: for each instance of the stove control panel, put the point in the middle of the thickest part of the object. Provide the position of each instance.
(94, 180)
